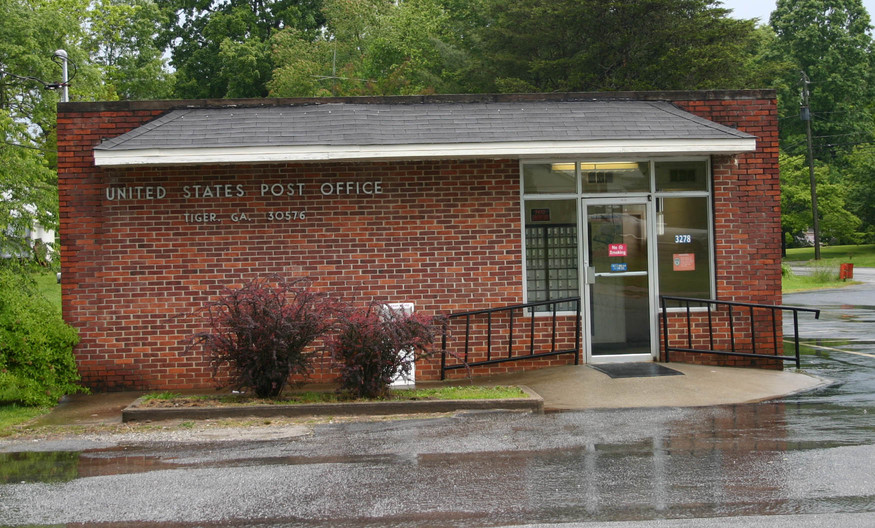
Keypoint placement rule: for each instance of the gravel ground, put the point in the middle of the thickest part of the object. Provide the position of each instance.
(78, 438)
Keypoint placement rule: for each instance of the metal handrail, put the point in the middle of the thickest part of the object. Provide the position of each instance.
(773, 309)
(510, 341)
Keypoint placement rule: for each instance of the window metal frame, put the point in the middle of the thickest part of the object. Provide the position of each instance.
(652, 194)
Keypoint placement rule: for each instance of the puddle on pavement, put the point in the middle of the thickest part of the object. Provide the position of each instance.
(713, 461)
(836, 343)
(64, 466)
(38, 467)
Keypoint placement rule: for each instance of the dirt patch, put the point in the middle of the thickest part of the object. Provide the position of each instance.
(156, 403)
(199, 408)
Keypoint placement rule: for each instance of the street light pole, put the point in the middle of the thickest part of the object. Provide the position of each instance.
(806, 116)
(65, 94)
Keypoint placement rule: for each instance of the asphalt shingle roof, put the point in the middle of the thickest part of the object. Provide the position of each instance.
(352, 124)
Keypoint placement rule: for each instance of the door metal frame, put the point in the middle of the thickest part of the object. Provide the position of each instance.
(586, 275)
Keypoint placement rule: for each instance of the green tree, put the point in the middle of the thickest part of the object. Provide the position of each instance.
(30, 33)
(338, 60)
(861, 187)
(122, 39)
(377, 47)
(765, 65)
(836, 222)
(830, 41)
(28, 189)
(222, 48)
(614, 45)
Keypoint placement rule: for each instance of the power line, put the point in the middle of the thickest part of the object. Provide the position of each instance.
(59, 58)
(31, 147)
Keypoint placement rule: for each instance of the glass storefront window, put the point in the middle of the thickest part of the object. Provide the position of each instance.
(681, 212)
(551, 250)
(615, 177)
(684, 247)
(549, 178)
(681, 176)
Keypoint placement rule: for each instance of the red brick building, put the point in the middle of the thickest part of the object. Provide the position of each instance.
(451, 203)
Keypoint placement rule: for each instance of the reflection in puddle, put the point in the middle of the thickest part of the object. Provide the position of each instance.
(754, 459)
(64, 466)
(704, 462)
(38, 467)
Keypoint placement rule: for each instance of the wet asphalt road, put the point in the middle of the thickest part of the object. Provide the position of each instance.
(808, 460)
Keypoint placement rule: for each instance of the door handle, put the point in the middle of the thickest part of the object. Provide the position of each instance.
(590, 274)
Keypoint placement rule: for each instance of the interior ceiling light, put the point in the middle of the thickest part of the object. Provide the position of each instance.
(615, 165)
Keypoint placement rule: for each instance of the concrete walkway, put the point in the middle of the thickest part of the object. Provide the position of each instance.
(565, 388)
(583, 387)
(562, 388)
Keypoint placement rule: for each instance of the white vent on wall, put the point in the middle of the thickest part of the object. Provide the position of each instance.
(401, 380)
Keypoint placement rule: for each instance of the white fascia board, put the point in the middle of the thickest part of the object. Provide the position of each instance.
(263, 154)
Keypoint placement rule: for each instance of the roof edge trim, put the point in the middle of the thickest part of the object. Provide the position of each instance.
(664, 95)
(261, 154)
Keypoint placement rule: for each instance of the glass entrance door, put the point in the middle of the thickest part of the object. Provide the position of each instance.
(619, 289)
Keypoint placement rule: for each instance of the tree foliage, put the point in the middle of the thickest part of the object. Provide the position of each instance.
(860, 180)
(28, 192)
(122, 38)
(376, 47)
(836, 222)
(614, 45)
(422, 46)
(223, 48)
(830, 41)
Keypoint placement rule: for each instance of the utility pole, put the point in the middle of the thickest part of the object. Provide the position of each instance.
(806, 116)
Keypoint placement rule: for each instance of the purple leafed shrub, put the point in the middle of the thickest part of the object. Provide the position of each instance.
(264, 332)
(366, 344)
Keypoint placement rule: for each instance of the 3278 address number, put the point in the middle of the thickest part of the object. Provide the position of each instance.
(284, 216)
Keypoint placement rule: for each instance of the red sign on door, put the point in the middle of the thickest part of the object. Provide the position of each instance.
(617, 250)
(540, 215)
(684, 261)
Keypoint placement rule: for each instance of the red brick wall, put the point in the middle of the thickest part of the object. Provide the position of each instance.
(747, 231)
(445, 235)
(747, 202)
(495, 336)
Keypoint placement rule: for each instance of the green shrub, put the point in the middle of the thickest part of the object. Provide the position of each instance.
(825, 272)
(36, 345)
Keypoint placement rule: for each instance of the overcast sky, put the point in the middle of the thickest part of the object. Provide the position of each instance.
(763, 8)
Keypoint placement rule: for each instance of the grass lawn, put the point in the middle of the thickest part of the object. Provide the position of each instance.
(862, 256)
(793, 283)
(12, 415)
(47, 283)
(825, 272)
(465, 392)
